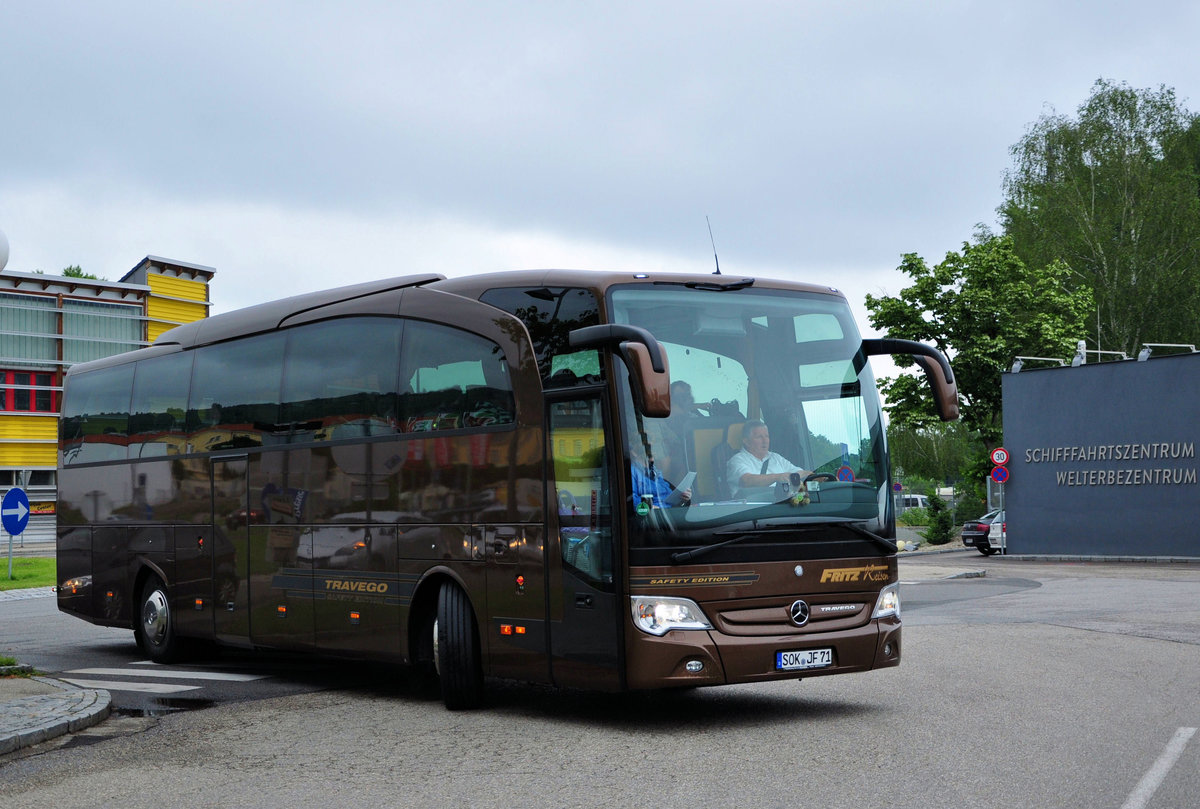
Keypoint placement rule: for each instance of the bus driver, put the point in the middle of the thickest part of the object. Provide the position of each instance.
(754, 469)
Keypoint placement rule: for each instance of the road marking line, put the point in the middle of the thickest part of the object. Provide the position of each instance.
(1153, 779)
(175, 674)
(145, 688)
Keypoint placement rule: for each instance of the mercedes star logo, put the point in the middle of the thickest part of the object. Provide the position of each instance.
(799, 613)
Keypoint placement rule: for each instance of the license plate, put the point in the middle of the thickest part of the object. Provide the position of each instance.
(808, 659)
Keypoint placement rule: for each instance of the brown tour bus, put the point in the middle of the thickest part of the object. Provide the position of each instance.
(608, 481)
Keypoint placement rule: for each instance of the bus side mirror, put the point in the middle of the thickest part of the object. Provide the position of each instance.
(652, 388)
(945, 391)
(938, 373)
(649, 376)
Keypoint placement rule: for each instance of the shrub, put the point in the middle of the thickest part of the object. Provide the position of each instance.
(941, 522)
(914, 516)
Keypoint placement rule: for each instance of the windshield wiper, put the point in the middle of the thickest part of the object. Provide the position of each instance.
(882, 542)
(684, 556)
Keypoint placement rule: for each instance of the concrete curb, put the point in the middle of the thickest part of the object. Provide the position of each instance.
(1151, 560)
(31, 720)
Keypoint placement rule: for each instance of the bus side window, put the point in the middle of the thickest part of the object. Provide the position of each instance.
(160, 393)
(340, 378)
(580, 472)
(235, 392)
(95, 421)
(450, 379)
(549, 314)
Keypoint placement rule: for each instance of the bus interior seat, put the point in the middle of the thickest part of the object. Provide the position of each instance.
(566, 503)
(579, 544)
(704, 439)
(721, 454)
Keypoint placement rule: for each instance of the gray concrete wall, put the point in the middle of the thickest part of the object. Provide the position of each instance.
(1103, 458)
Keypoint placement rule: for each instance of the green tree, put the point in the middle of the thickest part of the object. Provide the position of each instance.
(75, 271)
(1113, 193)
(940, 452)
(982, 306)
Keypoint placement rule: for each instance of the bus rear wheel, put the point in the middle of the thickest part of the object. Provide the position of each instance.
(156, 623)
(456, 650)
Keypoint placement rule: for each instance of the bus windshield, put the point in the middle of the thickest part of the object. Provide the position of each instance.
(775, 421)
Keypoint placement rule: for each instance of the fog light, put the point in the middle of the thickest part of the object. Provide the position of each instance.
(887, 650)
(695, 666)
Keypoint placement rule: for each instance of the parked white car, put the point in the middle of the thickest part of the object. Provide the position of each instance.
(997, 535)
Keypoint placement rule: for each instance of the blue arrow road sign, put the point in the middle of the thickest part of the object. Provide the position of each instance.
(14, 511)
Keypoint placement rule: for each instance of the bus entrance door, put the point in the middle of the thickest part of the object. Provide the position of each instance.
(232, 516)
(195, 580)
(585, 633)
(516, 601)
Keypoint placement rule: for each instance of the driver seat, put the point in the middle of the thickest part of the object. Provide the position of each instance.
(721, 453)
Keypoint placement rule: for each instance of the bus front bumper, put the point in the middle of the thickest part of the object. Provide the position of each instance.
(691, 658)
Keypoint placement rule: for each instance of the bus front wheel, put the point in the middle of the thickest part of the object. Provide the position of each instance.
(456, 650)
(156, 624)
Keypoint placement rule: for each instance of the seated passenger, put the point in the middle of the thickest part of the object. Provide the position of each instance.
(685, 417)
(648, 482)
(683, 404)
(754, 469)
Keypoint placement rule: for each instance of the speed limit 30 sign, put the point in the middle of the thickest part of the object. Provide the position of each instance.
(999, 456)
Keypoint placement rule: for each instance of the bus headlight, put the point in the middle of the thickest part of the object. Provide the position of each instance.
(888, 603)
(658, 615)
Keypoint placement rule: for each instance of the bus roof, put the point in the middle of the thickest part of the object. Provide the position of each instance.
(600, 280)
(271, 315)
(266, 316)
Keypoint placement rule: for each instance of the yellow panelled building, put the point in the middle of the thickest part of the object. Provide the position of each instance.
(47, 324)
(174, 300)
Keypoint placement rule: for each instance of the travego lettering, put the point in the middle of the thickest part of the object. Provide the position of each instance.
(341, 585)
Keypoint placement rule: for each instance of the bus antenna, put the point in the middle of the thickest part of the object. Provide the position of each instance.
(714, 244)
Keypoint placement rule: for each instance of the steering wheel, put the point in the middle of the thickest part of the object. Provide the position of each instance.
(826, 476)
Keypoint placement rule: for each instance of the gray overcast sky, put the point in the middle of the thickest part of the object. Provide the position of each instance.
(300, 145)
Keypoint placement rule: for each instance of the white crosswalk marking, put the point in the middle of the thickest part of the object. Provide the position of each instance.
(147, 679)
(143, 688)
(174, 674)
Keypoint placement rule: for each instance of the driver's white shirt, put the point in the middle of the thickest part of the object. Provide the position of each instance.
(743, 462)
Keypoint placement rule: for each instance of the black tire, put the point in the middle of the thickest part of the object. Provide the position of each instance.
(457, 650)
(155, 623)
(986, 551)
(423, 632)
